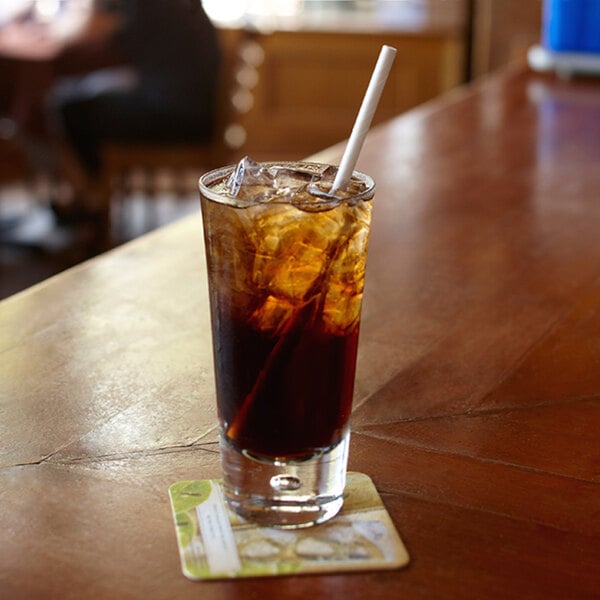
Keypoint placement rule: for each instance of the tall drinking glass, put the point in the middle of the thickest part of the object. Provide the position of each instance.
(286, 269)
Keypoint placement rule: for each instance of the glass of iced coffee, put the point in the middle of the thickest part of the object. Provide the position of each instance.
(286, 268)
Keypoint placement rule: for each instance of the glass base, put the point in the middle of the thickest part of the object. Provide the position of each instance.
(288, 494)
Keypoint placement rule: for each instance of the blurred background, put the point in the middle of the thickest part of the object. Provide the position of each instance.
(111, 109)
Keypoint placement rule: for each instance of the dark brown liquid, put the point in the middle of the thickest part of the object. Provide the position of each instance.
(285, 291)
(286, 396)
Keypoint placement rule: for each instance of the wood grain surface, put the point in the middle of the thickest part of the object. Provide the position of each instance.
(477, 401)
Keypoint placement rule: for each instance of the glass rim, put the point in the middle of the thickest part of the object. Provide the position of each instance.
(213, 175)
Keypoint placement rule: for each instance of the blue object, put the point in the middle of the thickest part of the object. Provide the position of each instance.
(571, 25)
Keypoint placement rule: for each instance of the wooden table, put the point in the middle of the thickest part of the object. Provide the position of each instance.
(477, 408)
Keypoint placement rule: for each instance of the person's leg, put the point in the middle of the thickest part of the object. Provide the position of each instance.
(82, 112)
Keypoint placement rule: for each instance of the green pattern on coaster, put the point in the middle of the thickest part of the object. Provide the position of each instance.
(214, 543)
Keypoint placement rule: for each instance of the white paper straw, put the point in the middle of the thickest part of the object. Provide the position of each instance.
(364, 117)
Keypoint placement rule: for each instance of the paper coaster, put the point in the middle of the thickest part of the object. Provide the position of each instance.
(216, 544)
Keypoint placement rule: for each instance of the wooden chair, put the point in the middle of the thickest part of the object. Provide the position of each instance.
(240, 56)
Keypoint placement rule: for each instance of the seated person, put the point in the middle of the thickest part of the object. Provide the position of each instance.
(164, 93)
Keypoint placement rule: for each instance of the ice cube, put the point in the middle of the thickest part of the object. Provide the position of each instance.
(288, 184)
(344, 287)
(248, 172)
(250, 181)
(272, 315)
(320, 189)
(314, 199)
(291, 249)
(290, 179)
